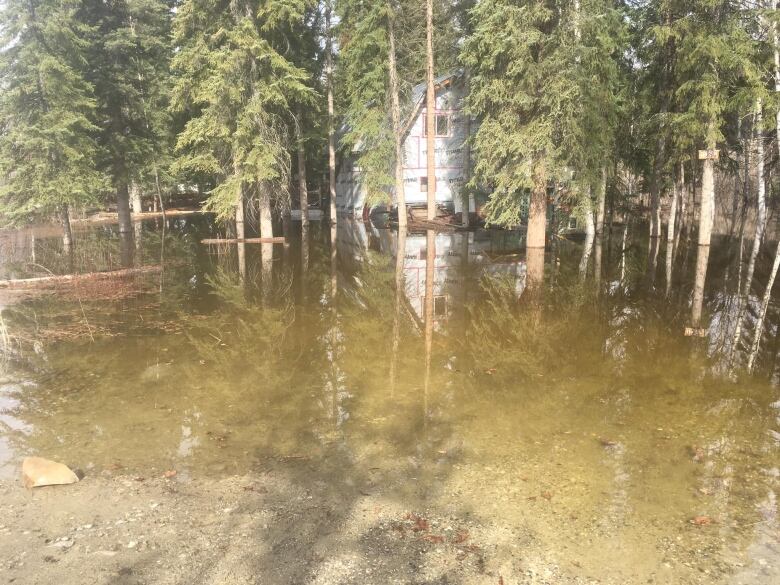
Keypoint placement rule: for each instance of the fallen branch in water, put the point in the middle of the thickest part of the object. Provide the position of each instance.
(68, 278)
(279, 240)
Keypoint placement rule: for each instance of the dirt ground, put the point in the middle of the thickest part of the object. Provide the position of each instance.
(268, 529)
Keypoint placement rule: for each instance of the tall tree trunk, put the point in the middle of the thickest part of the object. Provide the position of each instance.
(702, 259)
(331, 115)
(537, 210)
(707, 210)
(303, 193)
(776, 45)
(762, 314)
(601, 203)
(266, 231)
(758, 236)
(123, 206)
(683, 200)
(67, 232)
(590, 235)
(136, 201)
(240, 231)
(430, 111)
(464, 191)
(400, 193)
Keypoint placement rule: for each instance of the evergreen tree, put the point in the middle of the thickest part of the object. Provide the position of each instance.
(47, 137)
(129, 68)
(243, 92)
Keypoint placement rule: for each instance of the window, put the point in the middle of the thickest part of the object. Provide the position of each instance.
(439, 306)
(442, 122)
(423, 184)
(572, 223)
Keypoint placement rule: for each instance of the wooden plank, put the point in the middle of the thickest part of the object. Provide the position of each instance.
(279, 240)
(64, 278)
(709, 154)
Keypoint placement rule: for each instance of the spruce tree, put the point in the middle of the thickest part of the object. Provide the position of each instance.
(129, 67)
(47, 134)
(243, 94)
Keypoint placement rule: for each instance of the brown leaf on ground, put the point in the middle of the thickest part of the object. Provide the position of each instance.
(461, 537)
(420, 523)
(139, 478)
(171, 473)
(434, 538)
(500, 580)
(701, 520)
(547, 495)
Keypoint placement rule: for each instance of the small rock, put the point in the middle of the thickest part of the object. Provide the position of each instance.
(39, 472)
(63, 544)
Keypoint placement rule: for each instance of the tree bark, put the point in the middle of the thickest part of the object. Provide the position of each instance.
(331, 131)
(758, 236)
(702, 259)
(590, 235)
(465, 198)
(430, 111)
(240, 231)
(707, 210)
(123, 206)
(537, 210)
(400, 193)
(67, 232)
(303, 193)
(601, 203)
(762, 315)
(136, 202)
(266, 231)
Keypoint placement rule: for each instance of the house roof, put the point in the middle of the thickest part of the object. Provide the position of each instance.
(418, 91)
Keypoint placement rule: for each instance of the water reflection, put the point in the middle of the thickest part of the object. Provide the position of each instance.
(416, 355)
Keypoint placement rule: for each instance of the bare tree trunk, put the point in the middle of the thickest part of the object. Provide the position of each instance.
(465, 197)
(683, 200)
(623, 248)
(707, 211)
(430, 111)
(762, 315)
(240, 231)
(266, 231)
(331, 131)
(537, 210)
(776, 44)
(67, 232)
(590, 235)
(702, 258)
(601, 203)
(400, 193)
(135, 197)
(758, 236)
(123, 206)
(303, 193)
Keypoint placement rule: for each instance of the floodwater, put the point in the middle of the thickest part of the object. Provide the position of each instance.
(575, 415)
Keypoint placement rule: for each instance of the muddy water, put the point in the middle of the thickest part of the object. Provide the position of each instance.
(574, 417)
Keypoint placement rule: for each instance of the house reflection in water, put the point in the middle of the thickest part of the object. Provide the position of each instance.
(460, 261)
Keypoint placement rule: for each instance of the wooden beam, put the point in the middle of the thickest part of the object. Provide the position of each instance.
(279, 240)
(64, 278)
